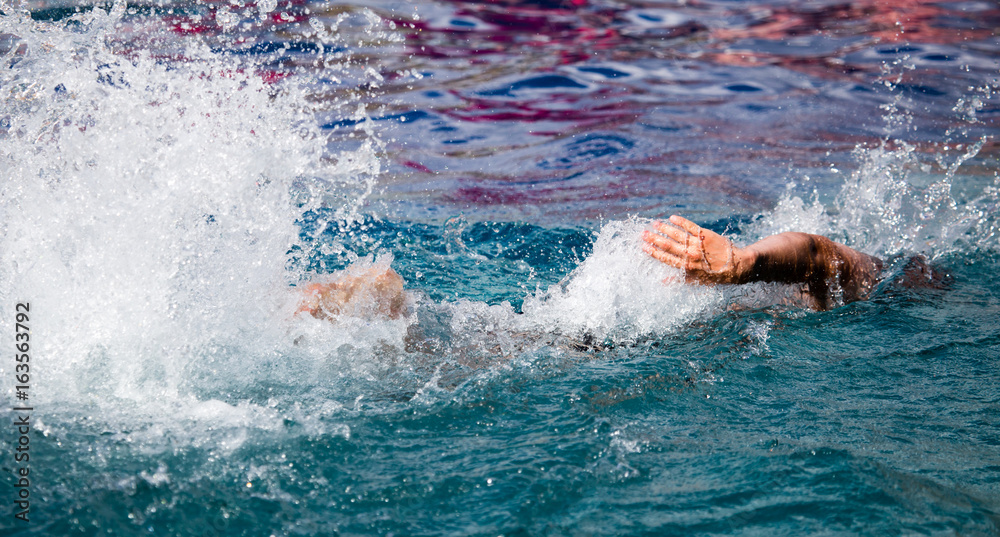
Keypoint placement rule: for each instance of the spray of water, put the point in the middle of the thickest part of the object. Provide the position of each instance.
(898, 202)
(903, 199)
(147, 212)
(619, 292)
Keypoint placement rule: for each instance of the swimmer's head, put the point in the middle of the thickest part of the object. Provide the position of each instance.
(917, 273)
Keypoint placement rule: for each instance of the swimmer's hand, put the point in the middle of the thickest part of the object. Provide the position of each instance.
(703, 255)
(831, 273)
(374, 293)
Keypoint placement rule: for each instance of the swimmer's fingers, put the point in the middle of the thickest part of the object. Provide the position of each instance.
(703, 255)
(682, 237)
(659, 241)
(674, 254)
(679, 243)
(686, 225)
(703, 242)
(663, 256)
(708, 250)
(691, 275)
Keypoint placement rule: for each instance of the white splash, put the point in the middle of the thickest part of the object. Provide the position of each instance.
(147, 214)
(619, 292)
(905, 199)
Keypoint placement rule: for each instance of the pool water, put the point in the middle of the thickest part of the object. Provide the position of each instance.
(172, 173)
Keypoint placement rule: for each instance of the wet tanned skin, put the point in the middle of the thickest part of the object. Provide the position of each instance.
(823, 266)
(377, 292)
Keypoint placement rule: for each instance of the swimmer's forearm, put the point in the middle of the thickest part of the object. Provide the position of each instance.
(796, 258)
(813, 260)
(786, 257)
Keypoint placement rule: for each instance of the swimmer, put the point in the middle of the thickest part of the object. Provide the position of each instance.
(823, 267)
(829, 272)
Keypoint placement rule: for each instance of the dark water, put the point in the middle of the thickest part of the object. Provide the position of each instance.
(170, 172)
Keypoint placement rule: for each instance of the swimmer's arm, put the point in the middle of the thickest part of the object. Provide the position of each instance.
(813, 260)
(797, 258)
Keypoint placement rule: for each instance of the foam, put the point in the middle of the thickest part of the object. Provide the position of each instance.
(148, 215)
(619, 292)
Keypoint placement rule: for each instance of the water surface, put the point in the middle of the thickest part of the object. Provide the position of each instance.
(172, 172)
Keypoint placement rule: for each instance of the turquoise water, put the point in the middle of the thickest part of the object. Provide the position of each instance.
(171, 173)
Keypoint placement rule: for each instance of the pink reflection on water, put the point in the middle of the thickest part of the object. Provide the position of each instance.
(887, 21)
(562, 108)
